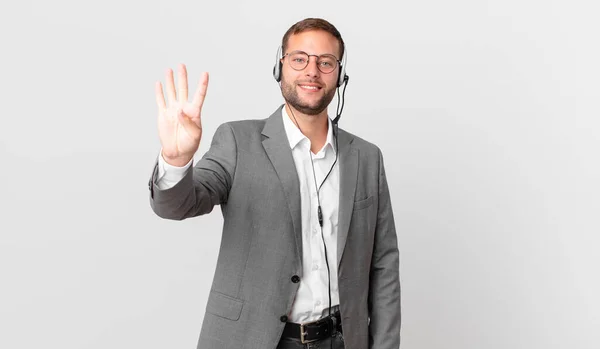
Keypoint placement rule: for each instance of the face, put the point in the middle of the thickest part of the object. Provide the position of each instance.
(309, 90)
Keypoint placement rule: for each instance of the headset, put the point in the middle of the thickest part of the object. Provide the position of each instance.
(342, 80)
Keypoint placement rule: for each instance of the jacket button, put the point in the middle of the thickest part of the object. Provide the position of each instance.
(295, 279)
(283, 318)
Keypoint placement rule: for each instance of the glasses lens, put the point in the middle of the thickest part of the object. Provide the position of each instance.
(298, 60)
(327, 63)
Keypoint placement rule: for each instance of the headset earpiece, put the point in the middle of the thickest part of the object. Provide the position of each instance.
(342, 77)
(278, 66)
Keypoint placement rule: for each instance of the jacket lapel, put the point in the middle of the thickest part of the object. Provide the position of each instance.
(348, 177)
(278, 150)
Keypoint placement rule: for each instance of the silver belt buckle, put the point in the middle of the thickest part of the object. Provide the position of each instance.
(302, 334)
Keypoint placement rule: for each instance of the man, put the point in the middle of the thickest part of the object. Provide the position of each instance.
(308, 253)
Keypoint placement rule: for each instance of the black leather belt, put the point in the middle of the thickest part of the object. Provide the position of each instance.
(314, 331)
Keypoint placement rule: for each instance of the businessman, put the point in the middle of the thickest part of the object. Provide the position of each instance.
(308, 254)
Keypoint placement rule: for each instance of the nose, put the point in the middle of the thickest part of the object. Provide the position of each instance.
(311, 69)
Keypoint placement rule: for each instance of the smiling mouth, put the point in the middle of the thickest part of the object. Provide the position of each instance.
(310, 87)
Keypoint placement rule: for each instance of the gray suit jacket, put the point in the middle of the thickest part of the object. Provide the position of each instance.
(249, 171)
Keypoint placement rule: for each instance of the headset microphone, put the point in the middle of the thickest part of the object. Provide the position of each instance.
(339, 110)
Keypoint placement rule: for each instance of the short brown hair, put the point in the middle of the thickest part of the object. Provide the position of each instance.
(313, 24)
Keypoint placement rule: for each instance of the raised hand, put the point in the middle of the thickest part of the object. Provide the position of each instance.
(179, 122)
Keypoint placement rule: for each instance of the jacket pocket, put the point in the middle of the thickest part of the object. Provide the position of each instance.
(358, 205)
(224, 306)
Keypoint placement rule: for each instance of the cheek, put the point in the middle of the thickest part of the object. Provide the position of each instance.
(289, 75)
(331, 79)
(288, 80)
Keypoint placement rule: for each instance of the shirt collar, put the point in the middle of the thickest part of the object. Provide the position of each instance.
(295, 136)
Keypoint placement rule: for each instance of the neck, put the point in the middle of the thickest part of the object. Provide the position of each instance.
(312, 126)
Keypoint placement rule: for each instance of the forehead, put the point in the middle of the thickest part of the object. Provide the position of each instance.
(314, 42)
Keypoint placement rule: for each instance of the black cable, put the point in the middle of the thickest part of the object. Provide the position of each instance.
(319, 210)
(320, 217)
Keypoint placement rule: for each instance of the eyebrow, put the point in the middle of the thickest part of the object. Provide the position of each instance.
(322, 54)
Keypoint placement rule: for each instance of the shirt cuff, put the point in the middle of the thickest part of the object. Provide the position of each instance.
(169, 175)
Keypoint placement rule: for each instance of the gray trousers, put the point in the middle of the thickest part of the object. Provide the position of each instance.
(289, 343)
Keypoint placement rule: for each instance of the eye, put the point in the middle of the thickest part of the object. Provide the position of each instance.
(326, 61)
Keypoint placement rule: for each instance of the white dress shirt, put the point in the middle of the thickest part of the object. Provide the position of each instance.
(312, 299)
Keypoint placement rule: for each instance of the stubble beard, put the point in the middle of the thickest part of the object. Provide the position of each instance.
(291, 97)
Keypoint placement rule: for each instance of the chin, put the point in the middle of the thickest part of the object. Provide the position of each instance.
(307, 102)
(310, 109)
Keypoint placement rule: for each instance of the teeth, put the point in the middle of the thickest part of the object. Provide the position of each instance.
(310, 87)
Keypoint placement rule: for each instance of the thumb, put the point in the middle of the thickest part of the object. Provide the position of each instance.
(191, 128)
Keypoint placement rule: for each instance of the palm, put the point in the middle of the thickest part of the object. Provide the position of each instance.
(179, 122)
(176, 140)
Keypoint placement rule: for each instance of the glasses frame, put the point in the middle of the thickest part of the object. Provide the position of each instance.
(339, 63)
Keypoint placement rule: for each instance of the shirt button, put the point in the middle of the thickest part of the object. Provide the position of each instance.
(318, 303)
(315, 267)
(295, 279)
(283, 318)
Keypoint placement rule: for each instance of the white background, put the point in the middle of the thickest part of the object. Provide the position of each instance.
(486, 111)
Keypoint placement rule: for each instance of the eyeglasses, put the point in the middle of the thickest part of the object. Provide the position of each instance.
(298, 60)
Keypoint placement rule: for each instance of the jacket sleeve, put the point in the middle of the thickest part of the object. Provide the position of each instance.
(203, 186)
(384, 290)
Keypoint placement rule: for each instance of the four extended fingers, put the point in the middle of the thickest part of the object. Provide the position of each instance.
(182, 85)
